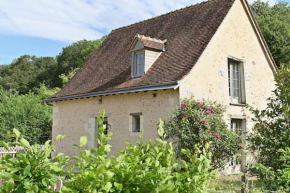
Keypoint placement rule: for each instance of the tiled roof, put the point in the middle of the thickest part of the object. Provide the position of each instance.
(187, 31)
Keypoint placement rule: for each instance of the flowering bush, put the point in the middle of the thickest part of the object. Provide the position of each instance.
(199, 122)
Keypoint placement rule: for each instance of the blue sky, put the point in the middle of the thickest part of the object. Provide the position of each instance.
(43, 27)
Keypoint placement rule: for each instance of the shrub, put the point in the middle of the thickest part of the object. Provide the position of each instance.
(27, 112)
(32, 170)
(278, 181)
(145, 167)
(272, 129)
(198, 122)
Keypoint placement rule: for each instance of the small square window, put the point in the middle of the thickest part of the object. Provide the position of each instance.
(136, 123)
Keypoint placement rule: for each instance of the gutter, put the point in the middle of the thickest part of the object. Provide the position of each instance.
(171, 85)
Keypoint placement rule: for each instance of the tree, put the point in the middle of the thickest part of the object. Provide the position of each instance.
(198, 122)
(272, 128)
(27, 112)
(275, 26)
(27, 72)
(75, 55)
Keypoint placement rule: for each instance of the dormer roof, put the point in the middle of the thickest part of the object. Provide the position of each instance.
(149, 43)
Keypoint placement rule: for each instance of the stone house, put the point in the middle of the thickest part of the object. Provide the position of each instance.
(140, 73)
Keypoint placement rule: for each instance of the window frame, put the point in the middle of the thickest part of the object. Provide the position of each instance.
(132, 121)
(134, 63)
(240, 99)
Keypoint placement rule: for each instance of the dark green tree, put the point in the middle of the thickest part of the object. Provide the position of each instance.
(75, 55)
(275, 25)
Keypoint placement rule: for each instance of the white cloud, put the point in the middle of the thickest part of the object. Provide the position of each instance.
(71, 20)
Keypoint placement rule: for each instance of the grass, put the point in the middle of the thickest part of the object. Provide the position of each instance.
(232, 184)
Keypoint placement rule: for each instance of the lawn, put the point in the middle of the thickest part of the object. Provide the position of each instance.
(233, 183)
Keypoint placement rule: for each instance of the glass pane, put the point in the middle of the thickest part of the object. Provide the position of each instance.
(139, 64)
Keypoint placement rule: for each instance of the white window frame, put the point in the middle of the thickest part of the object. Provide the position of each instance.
(236, 81)
(132, 123)
(134, 63)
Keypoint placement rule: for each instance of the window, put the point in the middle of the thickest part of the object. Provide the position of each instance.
(139, 64)
(236, 81)
(136, 123)
(238, 126)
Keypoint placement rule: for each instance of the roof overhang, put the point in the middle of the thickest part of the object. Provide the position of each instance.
(165, 86)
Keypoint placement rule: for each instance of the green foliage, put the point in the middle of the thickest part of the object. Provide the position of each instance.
(278, 181)
(27, 72)
(198, 122)
(66, 78)
(75, 55)
(275, 26)
(145, 167)
(272, 128)
(32, 170)
(27, 112)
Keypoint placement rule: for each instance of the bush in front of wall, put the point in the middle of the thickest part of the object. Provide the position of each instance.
(145, 167)
(201, 121)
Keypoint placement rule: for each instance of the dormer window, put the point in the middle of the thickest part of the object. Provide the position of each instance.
(139, 64)
(145, 51)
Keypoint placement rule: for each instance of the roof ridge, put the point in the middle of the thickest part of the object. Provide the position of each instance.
(165, 14)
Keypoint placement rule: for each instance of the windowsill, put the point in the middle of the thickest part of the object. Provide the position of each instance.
(134, 133)
(238, 104)
(135, 77)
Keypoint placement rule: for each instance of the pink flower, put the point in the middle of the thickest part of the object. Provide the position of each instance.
(208, 112)
(183, 105)
(203, 121)
(211, 110)
(217, 136)
(184, 116)
(210, 133)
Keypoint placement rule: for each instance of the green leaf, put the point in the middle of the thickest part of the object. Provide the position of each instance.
(56, 168)
(5, 145)
(9, 185)
(16, 132)
(25, 143)
(160, 129)
(83, 141)
(59, 137)
(5, 176)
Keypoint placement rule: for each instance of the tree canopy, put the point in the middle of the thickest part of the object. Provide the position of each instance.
(275, 26)
(27, 72)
